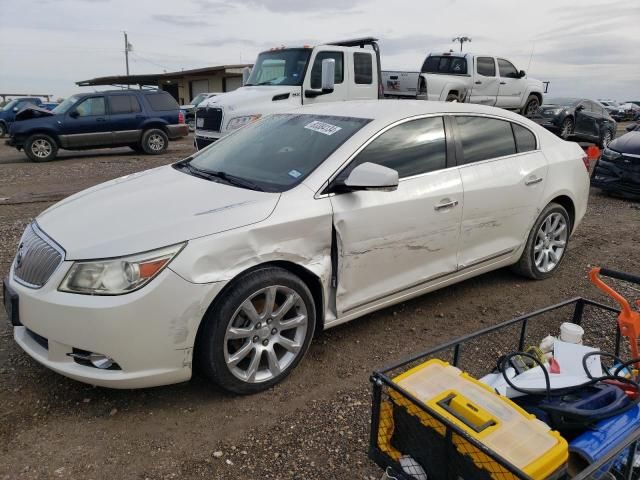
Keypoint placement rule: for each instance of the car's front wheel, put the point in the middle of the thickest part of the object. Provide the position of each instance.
(566, 129)
(547, 243)
(531, 106)
(41, 148)
(605, 139)
(257, 332)
(154, 141)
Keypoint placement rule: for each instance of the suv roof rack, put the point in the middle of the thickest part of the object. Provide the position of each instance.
(355, 42)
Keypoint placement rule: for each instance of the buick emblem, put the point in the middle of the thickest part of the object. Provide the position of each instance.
(19, 256)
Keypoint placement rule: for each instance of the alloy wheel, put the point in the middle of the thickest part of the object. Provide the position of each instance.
(566, 128)
(41, 148)
(550, 243)
(606, 139)
(156, 142)
(266, 334)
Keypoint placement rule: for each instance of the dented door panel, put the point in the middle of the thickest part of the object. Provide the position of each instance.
(389, 241)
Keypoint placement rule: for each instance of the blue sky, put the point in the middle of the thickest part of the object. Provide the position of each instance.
(585, 48)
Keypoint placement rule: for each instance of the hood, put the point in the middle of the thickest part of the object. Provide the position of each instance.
(627, 143)
(149, 210)
(33, 112)
(245, 97)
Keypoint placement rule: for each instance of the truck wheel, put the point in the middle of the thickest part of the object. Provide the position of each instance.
(40, 148)
(452, 97)
(531, 107)
(3, 129)
(154, 141)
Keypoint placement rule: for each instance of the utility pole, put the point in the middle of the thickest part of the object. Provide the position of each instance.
(127, 47)
(461, 40)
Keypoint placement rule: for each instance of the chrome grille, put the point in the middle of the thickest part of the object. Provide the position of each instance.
(37, 258)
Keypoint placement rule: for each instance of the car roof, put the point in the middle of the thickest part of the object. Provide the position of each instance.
(389, 111)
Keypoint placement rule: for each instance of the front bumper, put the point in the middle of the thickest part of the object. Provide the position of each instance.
(149, 333)
(617, 178)
(177, 131)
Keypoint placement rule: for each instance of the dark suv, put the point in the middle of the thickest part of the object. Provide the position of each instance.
(142, 120)
(8, 112)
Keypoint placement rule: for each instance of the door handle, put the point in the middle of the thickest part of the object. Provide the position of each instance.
(478, 82)
(446, 203)
(532, 181)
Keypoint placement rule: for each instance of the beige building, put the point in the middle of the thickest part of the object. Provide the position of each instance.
(183, 85)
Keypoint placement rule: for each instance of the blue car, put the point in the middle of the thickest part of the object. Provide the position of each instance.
(8, 112)
(144, 120)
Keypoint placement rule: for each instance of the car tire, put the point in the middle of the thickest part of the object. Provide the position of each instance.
(243, 345)
(3, 129)
(154, 141)
(41, 148)
(531, 106)
(452, 97)
(605, 139)
(546, 245)
(566, 129)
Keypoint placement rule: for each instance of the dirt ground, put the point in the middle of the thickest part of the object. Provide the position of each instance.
(314, 425)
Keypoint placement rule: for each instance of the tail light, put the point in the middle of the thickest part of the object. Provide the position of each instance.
(180, 117)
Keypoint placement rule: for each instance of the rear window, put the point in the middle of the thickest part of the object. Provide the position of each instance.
(161, 102)
(445, 64)
(119, 104)
(525, 139)
(485, 138)
(363, 68)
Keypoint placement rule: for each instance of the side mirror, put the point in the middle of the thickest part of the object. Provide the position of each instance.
(522, 74)
(368, 176)
(74, 114)
(246, 71)
(327, 79)
(579, 108)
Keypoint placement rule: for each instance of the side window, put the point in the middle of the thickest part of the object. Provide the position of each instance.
(162, 102)
(507, 70)
(484, 138)
(363, 68)
(485, 66)
(525, 139)
(316, 71)
(411, 148)
(123, 104)
(91, 107)
(458, 66)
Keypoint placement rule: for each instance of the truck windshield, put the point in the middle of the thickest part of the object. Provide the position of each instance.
(445, 64)
(66, 104)
(280, 67)
(275, 153)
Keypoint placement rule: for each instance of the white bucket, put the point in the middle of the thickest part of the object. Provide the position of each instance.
(571, 333)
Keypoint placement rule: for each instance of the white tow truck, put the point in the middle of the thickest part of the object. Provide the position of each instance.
(285, 77)
(464, 77)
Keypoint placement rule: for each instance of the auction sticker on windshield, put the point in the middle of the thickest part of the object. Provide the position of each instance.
(322, 127)
(200, 122)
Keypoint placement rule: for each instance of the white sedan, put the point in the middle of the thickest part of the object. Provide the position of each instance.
(235, 257)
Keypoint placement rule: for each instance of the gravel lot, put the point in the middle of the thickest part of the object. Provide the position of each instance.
(314, 425)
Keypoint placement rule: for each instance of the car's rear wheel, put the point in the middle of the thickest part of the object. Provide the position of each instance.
(605, 139)
(41, 148)
(258, 332)
(3, 129)
(531, 106)
(546, 245)
(452, 97)
(566, 129)
(154, 141)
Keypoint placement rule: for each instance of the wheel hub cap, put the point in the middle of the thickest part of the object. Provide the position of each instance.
(550, 243)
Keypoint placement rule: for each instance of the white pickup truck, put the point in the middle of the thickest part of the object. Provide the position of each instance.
(284, 77)
(469, 78)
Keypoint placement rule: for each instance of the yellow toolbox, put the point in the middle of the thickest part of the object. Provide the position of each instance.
(489, 427)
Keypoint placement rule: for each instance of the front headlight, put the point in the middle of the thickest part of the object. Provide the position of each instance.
(238, 122)
(116, 276)
(611, 155)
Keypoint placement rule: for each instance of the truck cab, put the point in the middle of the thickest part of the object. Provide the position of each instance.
(483, 79)
(285, 77)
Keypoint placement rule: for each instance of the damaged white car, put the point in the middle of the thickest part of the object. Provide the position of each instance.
(232, 259)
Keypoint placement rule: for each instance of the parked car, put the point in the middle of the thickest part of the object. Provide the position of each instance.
(617, 171)
(49, 105)
(232, 258)
(577, 118)
(628, 111)
(189, 111)
(141, 119)
(8, 112)
(468, 78)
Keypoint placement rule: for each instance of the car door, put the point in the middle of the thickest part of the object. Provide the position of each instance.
(503, 183)
(126, 118)
(392, 241)
(511, 87)
(313, 79)
(586, 125)
(86, 124)
(485, 85)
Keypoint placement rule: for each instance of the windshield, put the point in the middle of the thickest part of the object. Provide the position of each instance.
(198, 99)
(278, 152)
(10, 105)
(66, 104)
(280, 67)
(561, 101)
